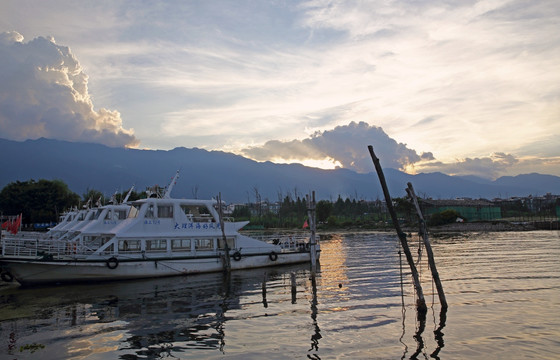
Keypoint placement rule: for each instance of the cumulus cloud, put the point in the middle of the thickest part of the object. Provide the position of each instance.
(345, 145)
(44, 93)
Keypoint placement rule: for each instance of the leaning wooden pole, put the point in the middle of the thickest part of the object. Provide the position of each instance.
(420, 303)
(428, 246)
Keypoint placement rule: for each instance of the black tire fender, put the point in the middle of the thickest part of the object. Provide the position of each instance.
(237, 256)
(273, 256)
(112, 263)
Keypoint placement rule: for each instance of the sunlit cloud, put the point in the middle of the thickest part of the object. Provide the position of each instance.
(343, 145)
(44, 93)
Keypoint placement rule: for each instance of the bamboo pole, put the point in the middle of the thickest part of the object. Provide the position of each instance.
(428, 246)
(420, 303)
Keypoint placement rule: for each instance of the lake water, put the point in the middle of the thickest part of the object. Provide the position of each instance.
(503, 291)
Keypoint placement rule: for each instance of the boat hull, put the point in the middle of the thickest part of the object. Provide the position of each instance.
(35, 272)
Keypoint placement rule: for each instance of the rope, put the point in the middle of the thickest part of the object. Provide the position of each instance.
(402, 281)
(158, 262)
(419, 249)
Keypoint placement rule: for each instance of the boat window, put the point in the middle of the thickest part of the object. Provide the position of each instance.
(89, 240)
(204, 244)
(165, 211)
(181, 244)
(150, 211)
(109, 215)
(197, 213)
(129, 245)
(120, 214)
(156, 245)
(230, 243)
(96, 216)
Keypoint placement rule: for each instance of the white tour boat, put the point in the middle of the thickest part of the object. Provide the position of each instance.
(160, 236)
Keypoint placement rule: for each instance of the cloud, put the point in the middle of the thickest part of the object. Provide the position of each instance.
(345, 145)
(44, 93)
(489, 167)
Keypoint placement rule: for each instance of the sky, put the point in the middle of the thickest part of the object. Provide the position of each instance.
(459, 87)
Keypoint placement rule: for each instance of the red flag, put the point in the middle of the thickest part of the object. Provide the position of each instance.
(10, 225)
(5, 224)
(305, 225)
(15, 225)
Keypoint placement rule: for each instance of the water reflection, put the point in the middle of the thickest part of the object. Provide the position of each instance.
(418, 335)
(149, 318)
(439, 334)
(317, 331)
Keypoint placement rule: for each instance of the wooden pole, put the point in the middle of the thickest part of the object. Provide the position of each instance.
(428, 246)
(294, 290)
(313, 227)
(265, 302)
(420, 303)
(227, 260)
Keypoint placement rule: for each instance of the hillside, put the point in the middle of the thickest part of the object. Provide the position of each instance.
(205, 173)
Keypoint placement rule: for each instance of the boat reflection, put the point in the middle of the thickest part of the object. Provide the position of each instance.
(149, 318)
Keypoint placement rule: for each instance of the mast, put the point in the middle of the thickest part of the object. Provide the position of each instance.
(167, 194)
(128, 194)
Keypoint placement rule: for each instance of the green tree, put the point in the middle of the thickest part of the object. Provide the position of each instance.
(93, 196)
(445, 217)
(38, 201)
(241, 212)
(324, 209)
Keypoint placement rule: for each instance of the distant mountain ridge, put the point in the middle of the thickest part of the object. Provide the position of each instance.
(205, 173)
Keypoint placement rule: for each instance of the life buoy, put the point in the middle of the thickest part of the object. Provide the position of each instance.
(71, 247)
(112, 263)
(7, 277)
(273, 256)
(237, 256)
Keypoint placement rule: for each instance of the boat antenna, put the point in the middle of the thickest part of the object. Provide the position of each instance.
(128, 194)
(167, 194)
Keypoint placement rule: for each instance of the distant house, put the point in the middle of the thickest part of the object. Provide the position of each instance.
(470, 210)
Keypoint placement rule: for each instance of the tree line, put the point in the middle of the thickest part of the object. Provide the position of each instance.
(43, 201)
(292, 213)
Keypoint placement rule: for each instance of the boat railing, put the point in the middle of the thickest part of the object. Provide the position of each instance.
(288, 243)
(22, 247)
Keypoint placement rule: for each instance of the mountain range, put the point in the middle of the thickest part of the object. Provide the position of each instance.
(204, 174)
